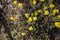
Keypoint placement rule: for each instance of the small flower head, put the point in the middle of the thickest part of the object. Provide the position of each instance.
(57, 24)
(54, 11)
(46, 12)
(12, 18)
(30, 28)
(45, 7)
(35, 13)
(34, 2)
(39, 11)
(20, 5)
(57, 10)
(15, 2)
(29, 19)
(27, 15)
(51, 5)
(23, 33)
(34, 18)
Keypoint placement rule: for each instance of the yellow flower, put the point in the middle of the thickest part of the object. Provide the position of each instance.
(46, 12)
(23, 33)
(30, 28)
(51, 5)
(34, 18)
(20, 5)
(42, 0)
(35, 13)
(59, 16)
(57, 24)
(34, 2)
(29, 19)
(54, 11)
(15, 2)
(27, 15)
(39, 11)
(57, 10)
(12, 18)
(45, 7)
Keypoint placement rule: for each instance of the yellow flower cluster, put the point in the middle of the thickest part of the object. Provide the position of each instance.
(30, 19)
(20, 5)
(57, 24)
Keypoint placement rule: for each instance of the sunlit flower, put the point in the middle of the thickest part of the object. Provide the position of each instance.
(20, 5)
(30, 28)
(29, 19)
(57, 24)
(15, 2)
(34, 18)
(51, 5)
(12, 18)
(39, 11)
(46, 12)
(34, 2)
(27, 15)
(42, 0)
(23, 33)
